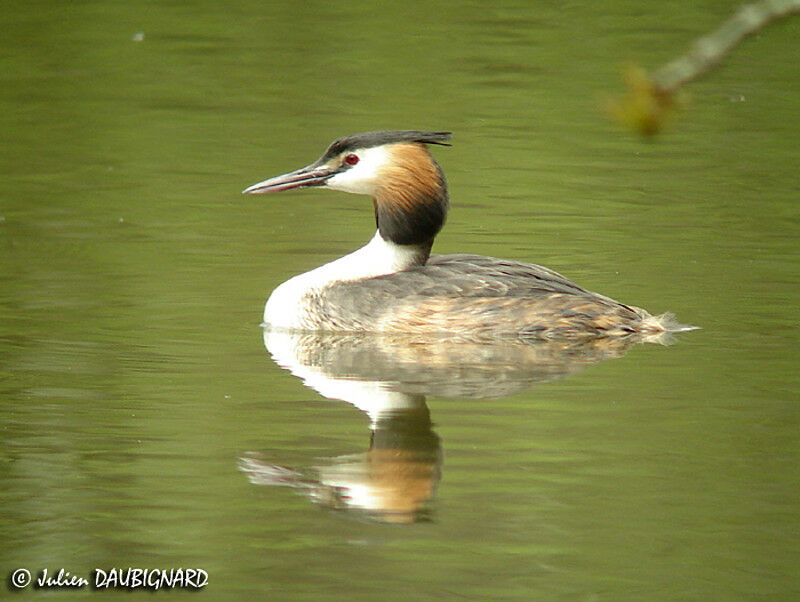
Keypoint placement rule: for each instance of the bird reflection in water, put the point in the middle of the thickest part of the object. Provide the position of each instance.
(388, 378)
(393, 482)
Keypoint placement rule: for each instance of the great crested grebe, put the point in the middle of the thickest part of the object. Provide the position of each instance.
(394, 285)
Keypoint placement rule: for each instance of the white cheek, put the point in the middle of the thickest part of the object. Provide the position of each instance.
(361, 178)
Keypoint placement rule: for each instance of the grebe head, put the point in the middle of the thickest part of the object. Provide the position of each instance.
(406, 184)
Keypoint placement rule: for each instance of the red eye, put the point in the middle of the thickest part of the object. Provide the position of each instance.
(351, 159)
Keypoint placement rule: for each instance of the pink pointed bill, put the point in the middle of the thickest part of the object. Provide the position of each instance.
(301, 178)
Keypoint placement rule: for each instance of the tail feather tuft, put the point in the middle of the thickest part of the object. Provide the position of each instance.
(659, 329)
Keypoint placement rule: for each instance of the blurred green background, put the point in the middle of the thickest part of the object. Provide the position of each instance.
(133, 276)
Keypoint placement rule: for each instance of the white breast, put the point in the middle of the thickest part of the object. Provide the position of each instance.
(288, 308)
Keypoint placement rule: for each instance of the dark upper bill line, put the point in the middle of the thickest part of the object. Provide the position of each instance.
(301, 178)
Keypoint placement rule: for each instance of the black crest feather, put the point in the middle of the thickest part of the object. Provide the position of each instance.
(381, 137)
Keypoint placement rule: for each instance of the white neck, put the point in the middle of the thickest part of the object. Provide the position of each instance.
(376, 258)
(285, 308)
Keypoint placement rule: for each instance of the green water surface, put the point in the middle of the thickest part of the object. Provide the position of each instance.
(133, 374)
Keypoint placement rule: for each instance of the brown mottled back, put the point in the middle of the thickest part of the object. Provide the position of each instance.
(478, 297)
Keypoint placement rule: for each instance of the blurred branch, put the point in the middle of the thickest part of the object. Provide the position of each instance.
(651, 97)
